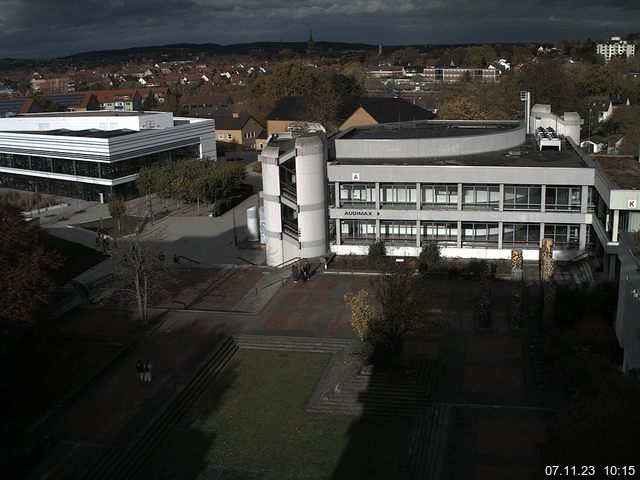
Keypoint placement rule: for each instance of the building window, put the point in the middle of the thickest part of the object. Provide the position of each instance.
(480, 235)
(443, 196)
(357, 232)
(563, 236)
(563, 198)
(521, 235)
(397, 194)
(229, 136)
(444, 233)
(357, 195)
(481, 197)
(522, 197)
(398, 232)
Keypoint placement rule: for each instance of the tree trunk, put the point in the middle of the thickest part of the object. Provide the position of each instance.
(139, 294)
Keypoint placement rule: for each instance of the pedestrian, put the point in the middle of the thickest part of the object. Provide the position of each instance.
(307, 270)
(147, 371)
(176, 260)
(140, 369)
(295, 274)
(97, 239)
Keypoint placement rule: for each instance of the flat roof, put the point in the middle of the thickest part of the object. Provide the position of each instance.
(623, 171)
(91, 113)
(428, 129)
(525, 155)
(92, 133)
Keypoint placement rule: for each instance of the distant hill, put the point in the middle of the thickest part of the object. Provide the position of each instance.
(184, 51)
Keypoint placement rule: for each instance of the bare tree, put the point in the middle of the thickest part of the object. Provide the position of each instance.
(140, 266)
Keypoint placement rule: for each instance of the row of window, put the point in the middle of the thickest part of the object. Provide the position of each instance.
(445, 196)
(446, 233)
(83, 168)
(230, 135)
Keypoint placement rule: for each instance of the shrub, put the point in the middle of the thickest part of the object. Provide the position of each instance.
(429, 258)
(377, 251)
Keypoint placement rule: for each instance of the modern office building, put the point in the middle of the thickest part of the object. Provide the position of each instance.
(477, 188)
(95, 155)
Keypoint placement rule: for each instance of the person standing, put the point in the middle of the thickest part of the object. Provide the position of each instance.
(140, 369)
(147, 371)
(295, 274)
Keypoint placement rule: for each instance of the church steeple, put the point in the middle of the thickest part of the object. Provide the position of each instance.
(311, 45)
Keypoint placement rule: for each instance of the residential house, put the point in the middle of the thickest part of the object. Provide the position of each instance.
(354, 111)
(237, 129)
(377, 111)
(128, 100)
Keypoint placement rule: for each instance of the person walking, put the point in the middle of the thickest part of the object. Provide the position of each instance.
(147, 371)
(140, 369)
(307, 270)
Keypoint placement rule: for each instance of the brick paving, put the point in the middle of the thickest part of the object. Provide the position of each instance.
(480, 367)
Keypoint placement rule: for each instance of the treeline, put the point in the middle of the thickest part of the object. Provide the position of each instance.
(192, 180)
(565, 86)
(324, 88)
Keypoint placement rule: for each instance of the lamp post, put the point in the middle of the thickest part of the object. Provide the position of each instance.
(589, 125)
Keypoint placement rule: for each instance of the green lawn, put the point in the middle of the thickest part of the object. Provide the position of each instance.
(109, 225)
(77, 258)
(253, 418)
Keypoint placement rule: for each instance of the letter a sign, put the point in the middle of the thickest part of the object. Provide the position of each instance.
(632, 204)
(355, 177)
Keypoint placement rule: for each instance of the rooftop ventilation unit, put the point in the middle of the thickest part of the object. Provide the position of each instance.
(547, 137)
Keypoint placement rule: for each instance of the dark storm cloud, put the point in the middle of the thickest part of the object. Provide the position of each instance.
(41, 28)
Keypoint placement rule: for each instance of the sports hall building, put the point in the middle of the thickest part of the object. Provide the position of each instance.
(95, 155)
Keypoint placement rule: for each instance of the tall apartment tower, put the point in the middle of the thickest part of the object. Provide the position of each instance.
(615, 47)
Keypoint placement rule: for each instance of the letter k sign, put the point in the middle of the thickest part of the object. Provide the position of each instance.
(631, 203)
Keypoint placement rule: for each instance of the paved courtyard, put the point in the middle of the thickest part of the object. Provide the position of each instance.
(482, 418)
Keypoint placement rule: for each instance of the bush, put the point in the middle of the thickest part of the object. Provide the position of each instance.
(225, 204)
(429, 258)
(377, 251)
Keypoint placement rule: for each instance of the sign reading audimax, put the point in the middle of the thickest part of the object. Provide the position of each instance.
(360, 213)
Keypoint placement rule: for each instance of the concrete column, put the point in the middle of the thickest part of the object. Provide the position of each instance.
(582, 238)
(584, 199)
(272, 208)
(541, 235)
(377, 190)
(378, 230)
(459, 239)
(338, 202)
(459, 197)
(418, 236)
(418, 197)
(543, 194)
(499, 235)
(616, 223)
(501, 204)
(338, 232)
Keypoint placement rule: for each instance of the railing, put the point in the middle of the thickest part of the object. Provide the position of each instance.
(290, 228)
(287, 263)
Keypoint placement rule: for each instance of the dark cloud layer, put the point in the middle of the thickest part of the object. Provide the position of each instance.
(46, 28)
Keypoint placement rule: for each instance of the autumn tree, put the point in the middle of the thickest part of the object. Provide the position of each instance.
(403, 306)
(26, 285)
(117, 209)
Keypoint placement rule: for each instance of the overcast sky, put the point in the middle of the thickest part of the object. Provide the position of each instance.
(49, 28)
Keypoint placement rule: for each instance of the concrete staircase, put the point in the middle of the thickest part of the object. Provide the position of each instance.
(427, 444)
(121, 463)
